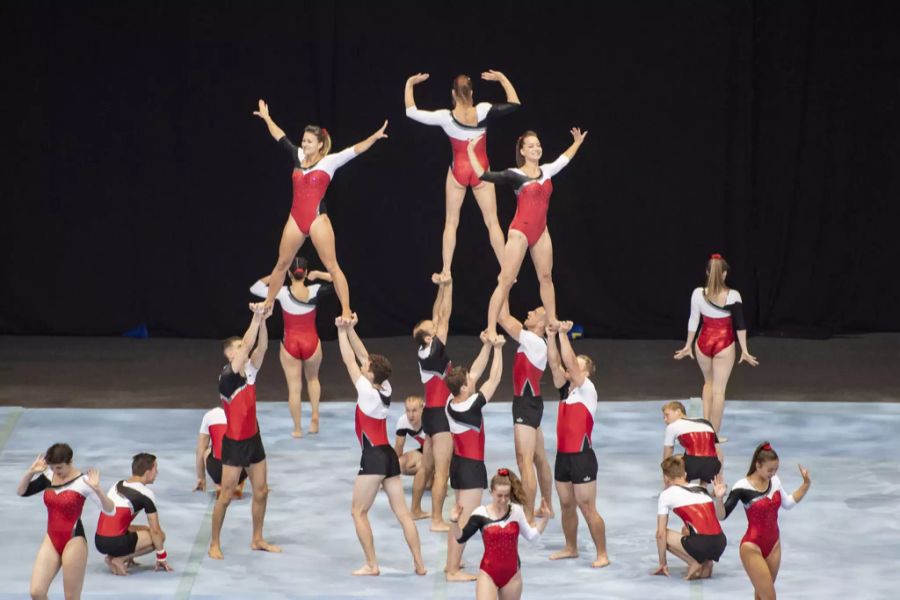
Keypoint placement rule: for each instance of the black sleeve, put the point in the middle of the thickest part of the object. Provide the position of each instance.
(325, 289)
(474, 525)
(737, 316)
(472, 415)
(37, 485)
(501, 109)
(731, 501)
(292, 149)
(507, 177)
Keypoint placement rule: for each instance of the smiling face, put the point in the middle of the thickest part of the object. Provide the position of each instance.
(501, 497)
(766, 470)
(310, 145)
(531, 149)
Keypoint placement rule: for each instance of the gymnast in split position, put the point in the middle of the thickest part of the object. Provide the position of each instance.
(722, 312)
(314, 169)
(65, 489)
(300, 351)
(465, 121)
(528, 230)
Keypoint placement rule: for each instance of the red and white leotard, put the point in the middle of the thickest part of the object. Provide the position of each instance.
(130, 498)
(371, 412)
(693, 505)
(719, 322)
(405, 428)
(301, 339)
(460, 134)
(501, 540)
(529, 364)
(238, 395)
(532, 196)
(762, 511)
(214, 425)
(434, 364)
(311, 182)
(64, 504)
(697, 436)
(467, 426)
(575, 419)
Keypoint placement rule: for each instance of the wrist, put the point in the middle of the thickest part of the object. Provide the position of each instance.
(161, 555)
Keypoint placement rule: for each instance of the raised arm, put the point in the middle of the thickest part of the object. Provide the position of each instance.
(92, 479)
(240, 359)
(553, 358)
(800, 492)
(25, 484)
(569, 359)
(578, 139)
(367, 143)
(408, 97)
(263, 113)
(511, 96)
(480, 362)
(490, 386)
(319, 276)
(445, 307)
(509, 323)
(359, 349)
(262, 341)
(347, 354)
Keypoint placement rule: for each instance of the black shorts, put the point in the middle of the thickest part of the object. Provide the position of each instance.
(576, 467)
(214, 469)
(467, 473)
(704, 547)
(434, 420)
(528, 410)
(704, 468)
(243, 453)
(118, 545)
(379, 460)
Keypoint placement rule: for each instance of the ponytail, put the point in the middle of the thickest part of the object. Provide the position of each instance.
(322, 135)
(716, 267)
(763, 454)
(507, 477)
(462, 88)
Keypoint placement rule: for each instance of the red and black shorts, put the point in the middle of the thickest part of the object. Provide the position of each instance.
(243, 453)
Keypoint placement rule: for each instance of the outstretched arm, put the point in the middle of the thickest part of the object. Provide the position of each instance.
(240, 359)
(263, 113)
(490, 386)
(359, 349)
(570, 360)
(554, 359)
(262, 344)
(413, 81)
(369, 141)
(347, 354)
(319, 276)
(442, 320)
(509, 323)
(511, 96)
(578, 139)
(480, 362)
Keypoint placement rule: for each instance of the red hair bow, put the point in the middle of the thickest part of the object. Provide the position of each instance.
(767, 446)
(325, 131)
(503, 472)
(716, 256)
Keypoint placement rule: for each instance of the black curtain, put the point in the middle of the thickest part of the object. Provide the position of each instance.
(138, 187)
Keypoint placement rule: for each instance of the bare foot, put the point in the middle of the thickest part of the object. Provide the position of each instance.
(461, 576)
(116, 567)
(462, 565)
(366, 570)
(601, 562)
(564, 553)
(215, 552)
(440, 526)
(420, 514)
(264, 546)
(296, 434)
(314, 425)
(420, 569)
(693, 572)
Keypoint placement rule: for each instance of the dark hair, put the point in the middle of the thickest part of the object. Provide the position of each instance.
(457, 378)
(462, 85)
(299, 264)
(763, 454)
(419, 333)
(141, 463)
(58, 454)
(227, 342)
(322, 135)
(520, 160)
(380, 367)
(507, 477)
(673, 467)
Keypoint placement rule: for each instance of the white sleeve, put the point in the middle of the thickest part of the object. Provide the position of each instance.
(549, 170)
(482, 109)
(333, 162)
(95, 498)
(204, 425)
(670, 435)
(259, 289)
(663, 505)
(734, 297)
(428, 117)
(525, 530)
(694, 320)
(787, 500)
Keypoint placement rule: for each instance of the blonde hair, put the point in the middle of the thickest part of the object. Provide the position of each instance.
(716, 268)
(415, 399)
(673, 467)
(322, 135)
(588, 364)
(674, 405)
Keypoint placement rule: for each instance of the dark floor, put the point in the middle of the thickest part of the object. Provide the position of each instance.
(115, 372)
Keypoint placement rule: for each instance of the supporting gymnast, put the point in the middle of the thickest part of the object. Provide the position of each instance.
(702, 455)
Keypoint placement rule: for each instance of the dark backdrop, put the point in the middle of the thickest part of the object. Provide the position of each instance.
(138, 188)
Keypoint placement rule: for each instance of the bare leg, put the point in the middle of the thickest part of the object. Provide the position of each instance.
(542, 257)
(544, 475)
(673, 544)
(230, 477)
(567, 505)
(411, 463)
(469, 500)
(364, 491)
(486, 197)
(705, 364)
(420, 480)
(758, 571)
(119, 564)
(514, 254)
(291, 241)
(256, 473)
(525, 438)
(722, 363)
(293, 374)
(442, 444)
(394, 490)
(313, 387)
(513, 589)
(74, 561)
(46, 566)
(455, 194)
(485, 588)
(586, 497)
(322, 235)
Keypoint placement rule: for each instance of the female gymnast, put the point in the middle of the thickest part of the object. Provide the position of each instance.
(465, 121)
(313, 170)
(528, 230)
(762, 495)
(722, 313)
(65, 490)
(500, 522)
(301, 352)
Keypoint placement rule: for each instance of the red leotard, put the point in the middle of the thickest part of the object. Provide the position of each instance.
(371, 412)
(501, 541)
(301, 339)
(762, 511)
(719, 322)
(238, 395)
(130, 498)
(467, 426)
(697, 436)
(434, 364)
(575, 419)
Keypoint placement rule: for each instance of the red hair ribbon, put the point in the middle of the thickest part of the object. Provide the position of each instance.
(503, 472)
(766, 446)
(325, 131)
(716, 256)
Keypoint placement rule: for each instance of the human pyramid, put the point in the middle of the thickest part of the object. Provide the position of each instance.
(447, 421)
